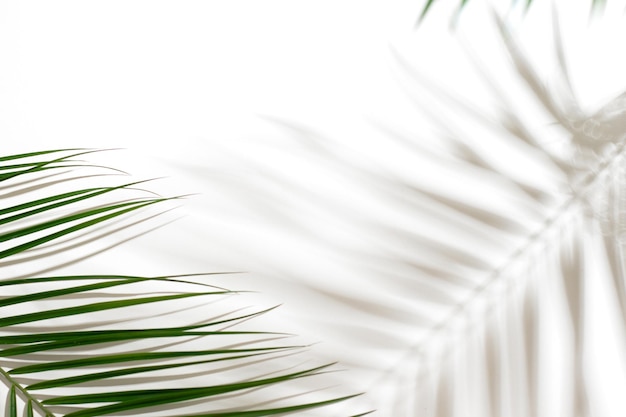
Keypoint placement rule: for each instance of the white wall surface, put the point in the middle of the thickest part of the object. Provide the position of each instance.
(217, 95)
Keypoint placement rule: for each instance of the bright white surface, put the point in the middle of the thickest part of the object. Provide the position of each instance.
(185, 87)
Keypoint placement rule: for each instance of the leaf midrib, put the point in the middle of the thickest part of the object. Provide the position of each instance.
(583, 186)
(13, 382)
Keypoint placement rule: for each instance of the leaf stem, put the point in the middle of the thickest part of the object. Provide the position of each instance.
(12, 381)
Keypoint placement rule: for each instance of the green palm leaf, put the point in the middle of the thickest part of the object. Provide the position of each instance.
(57, 358)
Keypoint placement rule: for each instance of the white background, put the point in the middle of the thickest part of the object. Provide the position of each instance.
(200, 90)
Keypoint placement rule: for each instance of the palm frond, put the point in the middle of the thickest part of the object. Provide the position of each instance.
(65, 341)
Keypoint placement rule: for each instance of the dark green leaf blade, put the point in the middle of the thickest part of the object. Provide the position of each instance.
(29, 409)
(31, 154)
(79, 196)
(12, 405)
(133, 400)
(65, 291)
(97, 376)
(37, 242)
(88, 308)
(130, 357)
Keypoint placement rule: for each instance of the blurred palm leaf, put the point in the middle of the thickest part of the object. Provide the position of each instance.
(88, 345)
(596, 5)
(484, 269)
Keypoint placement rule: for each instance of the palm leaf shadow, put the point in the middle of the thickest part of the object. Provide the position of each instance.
(505, 283)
